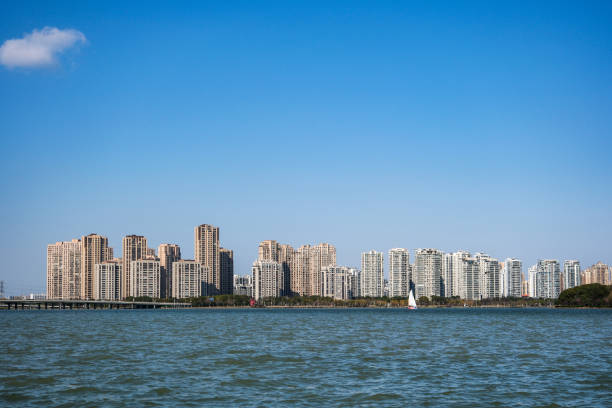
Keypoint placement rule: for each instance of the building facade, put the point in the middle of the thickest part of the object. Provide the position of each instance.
(513, 277)
(267, 279)
(168, 254)
(226, 266)
(490, 281)
(372, 274)
(145, 279)
(107, 280)
(134, 247)
(94, 250)
(206, 250)
(598, 273)
(400, 272)
(339, 282)
(186, 279)
(64, 270)
(470, 272)
(571, 275)
(547, 279)
(428, 272)
(243, 285)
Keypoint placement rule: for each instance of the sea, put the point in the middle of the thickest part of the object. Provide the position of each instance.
(465, 357)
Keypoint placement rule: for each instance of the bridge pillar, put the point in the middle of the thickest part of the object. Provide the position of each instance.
(22, 306)
(70, 306)
(46, 305)
(39, 306)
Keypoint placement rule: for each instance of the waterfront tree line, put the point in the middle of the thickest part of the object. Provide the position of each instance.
(591, 295)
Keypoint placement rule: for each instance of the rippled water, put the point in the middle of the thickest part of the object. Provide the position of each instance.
(300, 357)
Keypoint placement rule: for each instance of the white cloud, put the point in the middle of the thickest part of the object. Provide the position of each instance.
(39, 48)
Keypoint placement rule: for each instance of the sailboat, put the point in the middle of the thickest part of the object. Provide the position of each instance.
(411, 302)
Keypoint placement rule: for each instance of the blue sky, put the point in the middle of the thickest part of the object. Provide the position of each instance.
(483, 126)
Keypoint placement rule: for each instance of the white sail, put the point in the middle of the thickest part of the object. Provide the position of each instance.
(411, 302)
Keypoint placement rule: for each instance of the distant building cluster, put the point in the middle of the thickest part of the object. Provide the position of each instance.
(281, 270)
(86, 268)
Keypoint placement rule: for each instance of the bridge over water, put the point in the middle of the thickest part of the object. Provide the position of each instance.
(86, 304)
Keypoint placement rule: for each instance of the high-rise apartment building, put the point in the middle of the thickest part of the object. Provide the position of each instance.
(525, 288)
(470, 277)
(454, 274)
(513, 277)
(598, 273)
(339, 282)
(145, 278)
(372, 274)
(548, 279)
(285, 257)
(134, 248)
(400, 272)
(571, 274)
(532, 273)
(206, 242)
(107, 280)
(186, 279)
(321, 256)
(268, 251)
(267, 279)
(64, 270)
(300, 271)
(428, 272)
(168, 254)
(226, 266)
(470, 271)
(490, 276)
(94, 250)
(271, 250)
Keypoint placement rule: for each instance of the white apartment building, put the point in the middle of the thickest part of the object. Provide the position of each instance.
(267, 279)
(470, 272)
(186, 279)
(548, 279)
(372, 274)
(243, 285)
(490, 277)
(145, 277)
(107, 280)
(428, 272)
(513, 277)
(339, 282)
(400, 272)
(571, 274)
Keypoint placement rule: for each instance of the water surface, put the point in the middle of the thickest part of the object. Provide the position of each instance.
(305, 357)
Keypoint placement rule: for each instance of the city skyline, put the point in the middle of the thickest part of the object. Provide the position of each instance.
(184, 255)
(481, 126)
(86, 269)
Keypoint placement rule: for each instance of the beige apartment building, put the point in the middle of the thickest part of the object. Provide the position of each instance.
(598, 273)
(206, 250)
(64, 270)
(134, 248)
(94, 250)
(168, 254)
